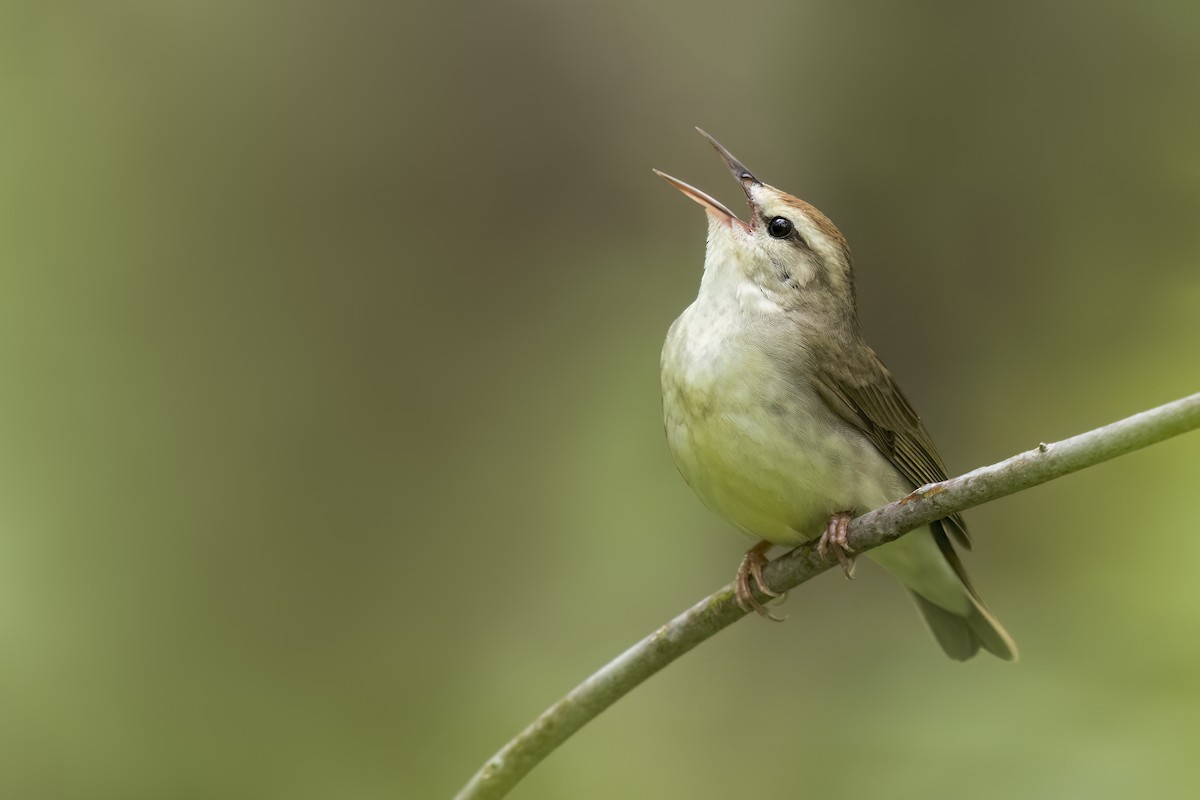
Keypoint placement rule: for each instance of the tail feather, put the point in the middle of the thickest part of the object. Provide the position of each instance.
(925, 562)
(962, 637)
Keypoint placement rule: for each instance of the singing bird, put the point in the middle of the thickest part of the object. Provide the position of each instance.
(783, 420)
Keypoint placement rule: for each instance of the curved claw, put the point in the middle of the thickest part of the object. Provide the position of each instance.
(835, 538)
(751, 568)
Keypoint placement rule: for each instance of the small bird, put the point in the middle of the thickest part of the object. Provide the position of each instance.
(783, 420)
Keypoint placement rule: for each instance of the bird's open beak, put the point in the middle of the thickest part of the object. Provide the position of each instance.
(710, 203)
(744, 176)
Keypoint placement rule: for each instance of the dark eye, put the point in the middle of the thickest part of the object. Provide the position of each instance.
(780, 227)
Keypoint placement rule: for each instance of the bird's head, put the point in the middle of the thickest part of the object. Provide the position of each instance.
(791, 251)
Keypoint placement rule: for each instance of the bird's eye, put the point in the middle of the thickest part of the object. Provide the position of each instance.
(780, 228)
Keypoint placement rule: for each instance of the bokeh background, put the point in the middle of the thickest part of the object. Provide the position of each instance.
(330, 448)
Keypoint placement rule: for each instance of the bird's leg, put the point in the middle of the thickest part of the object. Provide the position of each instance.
(834, 538)
(751, 567)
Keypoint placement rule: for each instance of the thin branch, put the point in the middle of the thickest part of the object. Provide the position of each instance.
(719, 610)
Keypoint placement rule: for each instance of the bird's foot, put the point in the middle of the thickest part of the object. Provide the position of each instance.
(834, 538)
(752, 567)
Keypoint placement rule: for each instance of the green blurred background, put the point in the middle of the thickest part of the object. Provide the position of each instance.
(330, 448)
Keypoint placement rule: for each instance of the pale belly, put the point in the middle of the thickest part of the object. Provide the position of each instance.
(777, 469)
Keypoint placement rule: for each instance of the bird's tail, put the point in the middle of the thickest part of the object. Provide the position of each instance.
(925, 562)
(962, 636)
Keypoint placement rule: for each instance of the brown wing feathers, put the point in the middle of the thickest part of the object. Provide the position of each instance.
(863, 393)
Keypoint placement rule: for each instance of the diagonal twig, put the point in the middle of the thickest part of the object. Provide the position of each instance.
(719, 610)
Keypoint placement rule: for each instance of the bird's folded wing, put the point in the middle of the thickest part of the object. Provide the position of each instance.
(858, 388)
